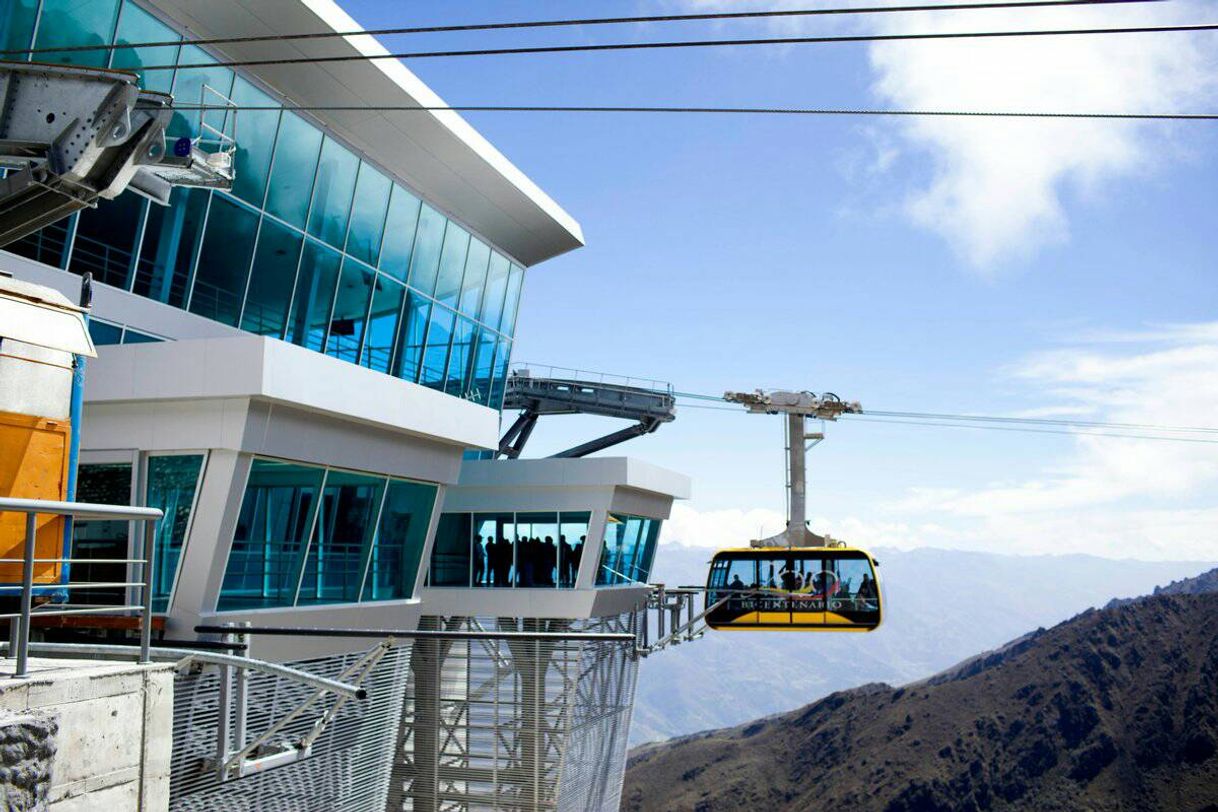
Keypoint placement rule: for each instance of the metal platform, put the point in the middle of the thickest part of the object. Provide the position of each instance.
(553, 391)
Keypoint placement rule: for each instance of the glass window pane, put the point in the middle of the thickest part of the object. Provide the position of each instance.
(172, 481)
(171, 238)
(295, 164)
(255, 142)
(270, 288)
(136, 25)
(427, 243)
(103, 333)
(503, 355)
(450, 553)
(435, 357)
(224, 263)
(493, 535)
(188, 90)
(342, 538)
(483, 366)
(332, 193)
(368, 215)
(68, 23)
(103, 484)
(276, 517)
(572, 535)
(459, 358)
(512, 303)
(452, 264)
(350, 311)
(314, 296)
(383, 323)
(17, 26)
(105, 240)
(48, 244)
(400, 537)
(475, 277)
(496, 289)
(136, 337)
(412, 330)
(536, 550)
(400, 225)
(652, 539)
(616, 547)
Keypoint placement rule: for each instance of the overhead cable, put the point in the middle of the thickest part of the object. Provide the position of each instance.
(1031, 430)
(588, 21)
(769, 111)
(717, 43)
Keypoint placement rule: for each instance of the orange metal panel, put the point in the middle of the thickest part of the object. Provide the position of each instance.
(33, 465)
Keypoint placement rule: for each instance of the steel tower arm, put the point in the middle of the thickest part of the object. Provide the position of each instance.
(71, 135)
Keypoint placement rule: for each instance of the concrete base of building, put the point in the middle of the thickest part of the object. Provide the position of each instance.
(86, 735)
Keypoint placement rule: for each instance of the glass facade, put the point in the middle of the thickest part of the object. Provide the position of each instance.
(308, 535)
(173, 480)
(629, 549)
(313, 245)
(539, 550)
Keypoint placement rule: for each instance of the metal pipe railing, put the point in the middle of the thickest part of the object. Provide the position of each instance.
(33, 508)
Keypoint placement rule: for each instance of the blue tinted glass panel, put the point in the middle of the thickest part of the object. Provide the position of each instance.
(224, 263)
(104, 333)
(435, 357)
(106, 239)
(652, 536)
(314, 296)
(171, 238)
(350, 311)
(274, 273)
(459, 358)
(368, 215)
(400, 537)
(342, 537)
(136, 337)
(536, 550)
(383, 324)
(172, 481)
(136, 25)
(17, 26)
(512, 302)
(268, 547)
(292, 171)
(48, 244)
(428, 241)
(475, 277)
(496, 290)
(493, 553)
(188, 90)
(400, 225)
(450, 553)
(332, 193)
(503, 355)
(483, 368)
(412, 330)
(255, 142)
(452, 264)
(572, 535)
(68, 23)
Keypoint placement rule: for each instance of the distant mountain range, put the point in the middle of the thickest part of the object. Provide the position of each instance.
(1115, 709)
(941, 607)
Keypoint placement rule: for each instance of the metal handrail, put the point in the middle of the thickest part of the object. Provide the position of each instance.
(146, 560)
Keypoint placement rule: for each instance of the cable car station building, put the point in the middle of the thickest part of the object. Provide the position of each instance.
(306, 374)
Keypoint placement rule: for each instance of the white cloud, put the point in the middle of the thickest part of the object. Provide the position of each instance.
(997, 187)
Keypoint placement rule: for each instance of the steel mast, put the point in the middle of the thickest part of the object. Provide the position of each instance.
(798, 408)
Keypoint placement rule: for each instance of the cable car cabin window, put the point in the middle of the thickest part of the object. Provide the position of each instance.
(803, 589)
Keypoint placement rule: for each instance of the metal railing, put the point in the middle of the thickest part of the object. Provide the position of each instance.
(533, 370)
(144, 560)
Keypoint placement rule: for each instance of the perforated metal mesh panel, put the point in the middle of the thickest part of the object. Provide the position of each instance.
(515, 724)
(350, 766)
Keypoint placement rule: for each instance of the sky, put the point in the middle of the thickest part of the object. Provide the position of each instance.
(1013, 267)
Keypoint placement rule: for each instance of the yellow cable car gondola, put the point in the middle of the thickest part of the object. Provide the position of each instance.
(796, 580)
(832, 588)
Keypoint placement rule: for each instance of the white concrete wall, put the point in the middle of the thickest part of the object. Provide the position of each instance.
(115, 733)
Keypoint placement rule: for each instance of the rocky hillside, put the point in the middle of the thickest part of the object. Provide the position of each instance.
(1116, 709)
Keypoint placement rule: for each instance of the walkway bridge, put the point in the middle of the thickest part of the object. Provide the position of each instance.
(552, 390)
